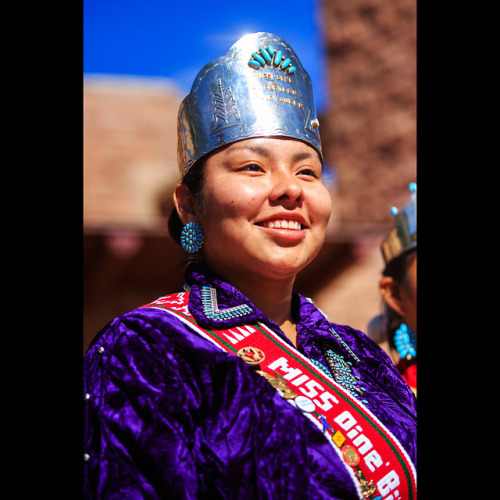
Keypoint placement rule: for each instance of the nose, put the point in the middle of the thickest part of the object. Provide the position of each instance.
(286, 189)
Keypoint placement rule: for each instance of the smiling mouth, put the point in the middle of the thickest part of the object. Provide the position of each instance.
(282, 224)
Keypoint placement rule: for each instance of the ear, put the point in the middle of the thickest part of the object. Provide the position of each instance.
(184, 203)
(389, 290)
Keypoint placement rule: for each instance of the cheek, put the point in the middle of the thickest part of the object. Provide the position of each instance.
(225, 214)
(231, 202)
(412, 292)
(321, 208)
(412, 281)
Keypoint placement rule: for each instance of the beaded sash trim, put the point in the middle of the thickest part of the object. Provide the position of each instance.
(379, 466)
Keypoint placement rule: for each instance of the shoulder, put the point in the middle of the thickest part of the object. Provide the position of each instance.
(139, 356)
(146, 339)
(145, 323)
(360, 342)
(149, 322)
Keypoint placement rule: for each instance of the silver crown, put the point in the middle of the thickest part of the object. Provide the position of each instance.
(258, 89)
(403, 235)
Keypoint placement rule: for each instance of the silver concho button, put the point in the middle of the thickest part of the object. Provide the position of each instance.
(304, 404)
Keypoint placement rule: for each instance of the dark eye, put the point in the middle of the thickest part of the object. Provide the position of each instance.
(309, 171)
(252, 167)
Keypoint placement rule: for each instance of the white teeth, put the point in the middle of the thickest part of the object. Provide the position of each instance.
(283, 224)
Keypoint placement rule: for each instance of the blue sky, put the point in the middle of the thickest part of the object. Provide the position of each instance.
(176, 38)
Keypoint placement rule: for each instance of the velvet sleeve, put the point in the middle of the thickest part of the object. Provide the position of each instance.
(134, 381)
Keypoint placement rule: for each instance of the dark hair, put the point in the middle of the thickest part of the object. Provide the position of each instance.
(397, 269)
(194, 180)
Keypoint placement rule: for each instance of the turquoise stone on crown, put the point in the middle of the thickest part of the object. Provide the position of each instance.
(259, 58)
(267, 55)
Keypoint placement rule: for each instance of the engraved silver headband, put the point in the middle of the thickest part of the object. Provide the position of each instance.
(258, 89)
(403, 235)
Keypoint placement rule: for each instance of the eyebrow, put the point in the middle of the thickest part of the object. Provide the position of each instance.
(262, 151)
(303, 156)
(253, 148)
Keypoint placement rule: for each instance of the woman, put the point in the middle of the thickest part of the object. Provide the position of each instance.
(398, 288)
(239, 387)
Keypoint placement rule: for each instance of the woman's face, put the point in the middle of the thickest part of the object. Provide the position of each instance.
(265, 208)
(401, 295)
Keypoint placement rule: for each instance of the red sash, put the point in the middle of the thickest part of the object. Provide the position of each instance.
(379, 466)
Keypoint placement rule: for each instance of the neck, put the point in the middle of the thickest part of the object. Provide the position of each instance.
(276, 303)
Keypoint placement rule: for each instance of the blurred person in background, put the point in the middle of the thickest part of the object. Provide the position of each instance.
(395, 330)
(238, 387)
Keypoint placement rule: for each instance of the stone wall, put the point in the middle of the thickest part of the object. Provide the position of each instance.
(130, 150)
(369, 130)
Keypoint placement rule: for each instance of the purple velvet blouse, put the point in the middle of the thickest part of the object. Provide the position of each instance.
(170, 416)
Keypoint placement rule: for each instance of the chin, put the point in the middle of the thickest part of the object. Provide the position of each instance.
(283, 269)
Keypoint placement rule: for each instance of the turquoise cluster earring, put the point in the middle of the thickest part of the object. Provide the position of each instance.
(404, 339)
(191, 237)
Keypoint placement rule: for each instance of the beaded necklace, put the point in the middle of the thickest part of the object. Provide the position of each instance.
(340, 369)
